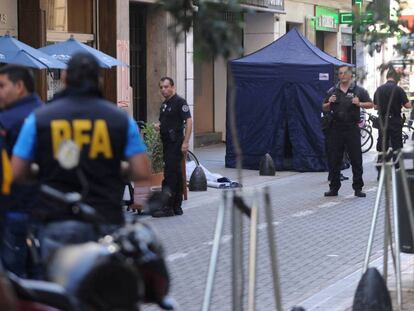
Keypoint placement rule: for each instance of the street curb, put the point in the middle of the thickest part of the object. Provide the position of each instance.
(339, 296)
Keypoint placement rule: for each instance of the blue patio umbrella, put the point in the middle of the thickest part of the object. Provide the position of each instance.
(13, 51)
(63, 51)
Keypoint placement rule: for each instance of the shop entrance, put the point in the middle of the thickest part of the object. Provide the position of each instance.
(138, 59)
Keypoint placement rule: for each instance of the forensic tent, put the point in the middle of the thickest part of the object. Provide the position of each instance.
(279, 91)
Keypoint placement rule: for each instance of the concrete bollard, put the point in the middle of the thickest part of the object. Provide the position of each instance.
(372, 293)
(198, 180)
(267, 167)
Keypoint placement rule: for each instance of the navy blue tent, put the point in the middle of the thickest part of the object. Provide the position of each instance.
(279, 90)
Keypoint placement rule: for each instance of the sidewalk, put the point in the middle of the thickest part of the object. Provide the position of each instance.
(339, 296)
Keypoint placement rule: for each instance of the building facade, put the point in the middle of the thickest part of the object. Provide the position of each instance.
(136, 32)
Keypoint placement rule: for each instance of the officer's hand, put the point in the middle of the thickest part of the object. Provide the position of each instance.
(355, 101)
(157, 126)
(184, 147)
(332, 99)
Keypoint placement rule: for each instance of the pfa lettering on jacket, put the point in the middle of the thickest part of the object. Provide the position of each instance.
(84, 132)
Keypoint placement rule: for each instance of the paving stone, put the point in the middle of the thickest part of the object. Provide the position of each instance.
(319, 240)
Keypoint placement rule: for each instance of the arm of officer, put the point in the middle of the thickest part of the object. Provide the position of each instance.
(139, 167)
(329, 99)
(406, 102)
(187, 134)
(136, 153)
(23, 152)
(363, 100)
(375, 102)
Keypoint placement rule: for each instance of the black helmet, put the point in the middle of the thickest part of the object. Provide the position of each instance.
(139, 242)
(97, 275)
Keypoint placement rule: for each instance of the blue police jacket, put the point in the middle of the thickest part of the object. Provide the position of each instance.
(22, 197)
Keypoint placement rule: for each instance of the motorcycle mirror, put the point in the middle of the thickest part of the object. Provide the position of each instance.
(68, 154)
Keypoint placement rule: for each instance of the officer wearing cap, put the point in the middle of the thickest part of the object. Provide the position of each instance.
(175, 125)
(388, 100)
(344, 102)
(105, 136)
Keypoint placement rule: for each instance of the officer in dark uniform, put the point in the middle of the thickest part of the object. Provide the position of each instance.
(326, 122)
(344, 102)
(386, 92)
(18, 100)
(174, 117)
(105, 136)
(5, 183)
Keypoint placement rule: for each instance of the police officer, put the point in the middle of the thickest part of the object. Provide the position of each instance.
(105, 136)
(174, 117)
(344, 101)
(18, 100)
(390, 97)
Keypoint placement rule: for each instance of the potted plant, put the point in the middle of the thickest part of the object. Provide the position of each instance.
(153, 142)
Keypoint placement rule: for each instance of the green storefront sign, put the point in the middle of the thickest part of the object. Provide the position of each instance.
(327, 19)
(346, 18)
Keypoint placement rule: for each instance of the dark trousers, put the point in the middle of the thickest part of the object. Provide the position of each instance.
(16, 255)
(173, 178)
(393, 135)
(328, 152)
(329, 158)
(341, 138)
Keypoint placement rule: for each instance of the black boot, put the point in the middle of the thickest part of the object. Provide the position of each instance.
(360, 194)
(178, 211)
(331, 193)
(178, 200)
(163, 212)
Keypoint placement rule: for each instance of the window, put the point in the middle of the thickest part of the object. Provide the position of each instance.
(70, 15)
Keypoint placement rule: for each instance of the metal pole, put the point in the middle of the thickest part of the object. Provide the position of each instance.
(237, 258)
(374, 220)
(273, 251)
(252, 255)
(406, 189)
(215, 253)
(396, 235)
(387, 227)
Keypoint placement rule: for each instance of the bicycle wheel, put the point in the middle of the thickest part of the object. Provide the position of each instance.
(407, 132)
(366, 140)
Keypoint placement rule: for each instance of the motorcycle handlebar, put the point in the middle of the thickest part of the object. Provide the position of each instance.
(74, 201)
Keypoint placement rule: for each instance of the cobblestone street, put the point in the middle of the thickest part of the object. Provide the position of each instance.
(320, 240)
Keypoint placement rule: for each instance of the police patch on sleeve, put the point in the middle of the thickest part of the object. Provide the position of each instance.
(185, 108)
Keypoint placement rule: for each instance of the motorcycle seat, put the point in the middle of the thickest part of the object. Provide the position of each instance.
(48, 293)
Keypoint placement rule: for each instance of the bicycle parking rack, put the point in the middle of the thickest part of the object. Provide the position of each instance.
(240, 209)
(389, 169)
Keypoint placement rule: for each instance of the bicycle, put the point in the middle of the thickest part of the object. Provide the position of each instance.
(367, 140)
(407, 131)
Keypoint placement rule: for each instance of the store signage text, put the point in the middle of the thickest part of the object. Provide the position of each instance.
(327, 19)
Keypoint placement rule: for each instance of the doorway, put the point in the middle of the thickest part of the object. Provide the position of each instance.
(138, 59)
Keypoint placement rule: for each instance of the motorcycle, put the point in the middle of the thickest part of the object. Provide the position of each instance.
(118, 272)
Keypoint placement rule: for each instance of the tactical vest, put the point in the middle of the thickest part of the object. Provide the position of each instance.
(343, 110)
(100, 130)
